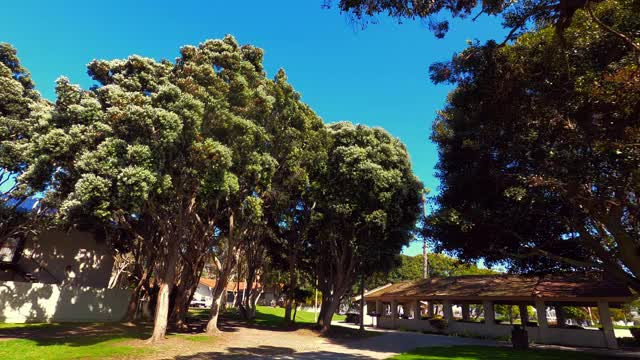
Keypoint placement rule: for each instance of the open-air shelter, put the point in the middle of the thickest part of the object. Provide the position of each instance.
(409, 305)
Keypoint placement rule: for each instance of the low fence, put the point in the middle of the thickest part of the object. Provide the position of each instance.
(560, 336)
(35, 302)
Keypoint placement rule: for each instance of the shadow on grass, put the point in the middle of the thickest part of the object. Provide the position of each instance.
(271, 352)
(492, 353)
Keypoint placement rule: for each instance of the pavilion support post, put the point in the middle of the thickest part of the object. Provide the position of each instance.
(524, 314)
(607, 325)
(431, 311)
(417, 315)
(465, 312)
(447, 310)
(543, 324)
(394, 313)
(489, 314)
(363, 314)
(561, 319)
(378, 313)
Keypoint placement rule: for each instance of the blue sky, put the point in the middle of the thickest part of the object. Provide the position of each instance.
(376, 76)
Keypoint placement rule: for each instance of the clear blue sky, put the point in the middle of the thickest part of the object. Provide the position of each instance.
(376, 76)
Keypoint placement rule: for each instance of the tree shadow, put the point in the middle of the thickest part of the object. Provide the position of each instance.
(230, 321)
(271, 352)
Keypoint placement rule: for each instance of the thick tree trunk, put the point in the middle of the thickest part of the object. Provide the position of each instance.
(167, 281)
(219, 294)
(293, 283)
(135, 296)
(181, 307)
(247, 306)
(323, 310)
(335, 281)
(162, 314)
(132, 308)
(327, 316)
(224, 273)
(188, 285)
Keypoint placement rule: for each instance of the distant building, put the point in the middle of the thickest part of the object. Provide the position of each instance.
(204, 292)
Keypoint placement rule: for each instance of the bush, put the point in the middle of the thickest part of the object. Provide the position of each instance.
(438, 323)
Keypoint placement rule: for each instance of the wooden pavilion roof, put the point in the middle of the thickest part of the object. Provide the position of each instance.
(561, 288)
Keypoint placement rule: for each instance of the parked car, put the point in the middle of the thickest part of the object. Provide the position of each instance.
(197, 304)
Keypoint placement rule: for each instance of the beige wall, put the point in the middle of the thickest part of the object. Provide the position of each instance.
(48, 256)
(35, 302)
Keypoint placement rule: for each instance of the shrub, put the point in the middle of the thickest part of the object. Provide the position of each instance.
(438, 323)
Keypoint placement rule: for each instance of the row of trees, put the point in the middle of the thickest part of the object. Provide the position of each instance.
(198, 160)
(539, 151)
(409, 268)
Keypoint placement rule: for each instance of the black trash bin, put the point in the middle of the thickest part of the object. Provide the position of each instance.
(519, 337)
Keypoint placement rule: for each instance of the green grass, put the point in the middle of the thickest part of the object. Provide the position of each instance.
(194, 338)
(492, 353)
(75, 347)
(113, 343)
(9, 326)
(274, 316)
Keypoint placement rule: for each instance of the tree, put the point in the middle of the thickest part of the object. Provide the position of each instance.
(538, 149)
(368, 201)
(517, 16)
(298, 144)
(173, 144)
(410, 268)
(21, 110)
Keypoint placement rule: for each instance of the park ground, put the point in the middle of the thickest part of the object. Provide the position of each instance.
(265, 338)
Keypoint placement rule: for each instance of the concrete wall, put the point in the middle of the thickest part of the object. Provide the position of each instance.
(35, 302)
(571, 337)
(73, 257)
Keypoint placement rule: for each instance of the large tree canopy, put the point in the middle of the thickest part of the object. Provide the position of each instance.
(539, 154)
(368, 202)
(178, 144)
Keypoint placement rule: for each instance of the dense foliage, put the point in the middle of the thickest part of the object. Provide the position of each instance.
(518, 16)
(411, 268)
(206, 160)
(539, 156)
(368, 202)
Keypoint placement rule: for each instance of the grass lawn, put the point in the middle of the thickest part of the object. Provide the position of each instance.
(492, 353)
(72, 348)
(105, 341)
(267, 316)
(83, 345)
(274, 316)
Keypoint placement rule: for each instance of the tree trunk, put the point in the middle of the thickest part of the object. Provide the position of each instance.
(247, 307)
(135, 297)
(219, 294)
(295, 311)
(291, 292)
(327, 316)
(162, 306)
(323, 309)
(187, 288)
(224, 272)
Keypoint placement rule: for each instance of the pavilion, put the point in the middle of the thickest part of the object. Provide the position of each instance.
(405, 304)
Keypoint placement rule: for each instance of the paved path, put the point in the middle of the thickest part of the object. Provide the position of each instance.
(248, 343)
